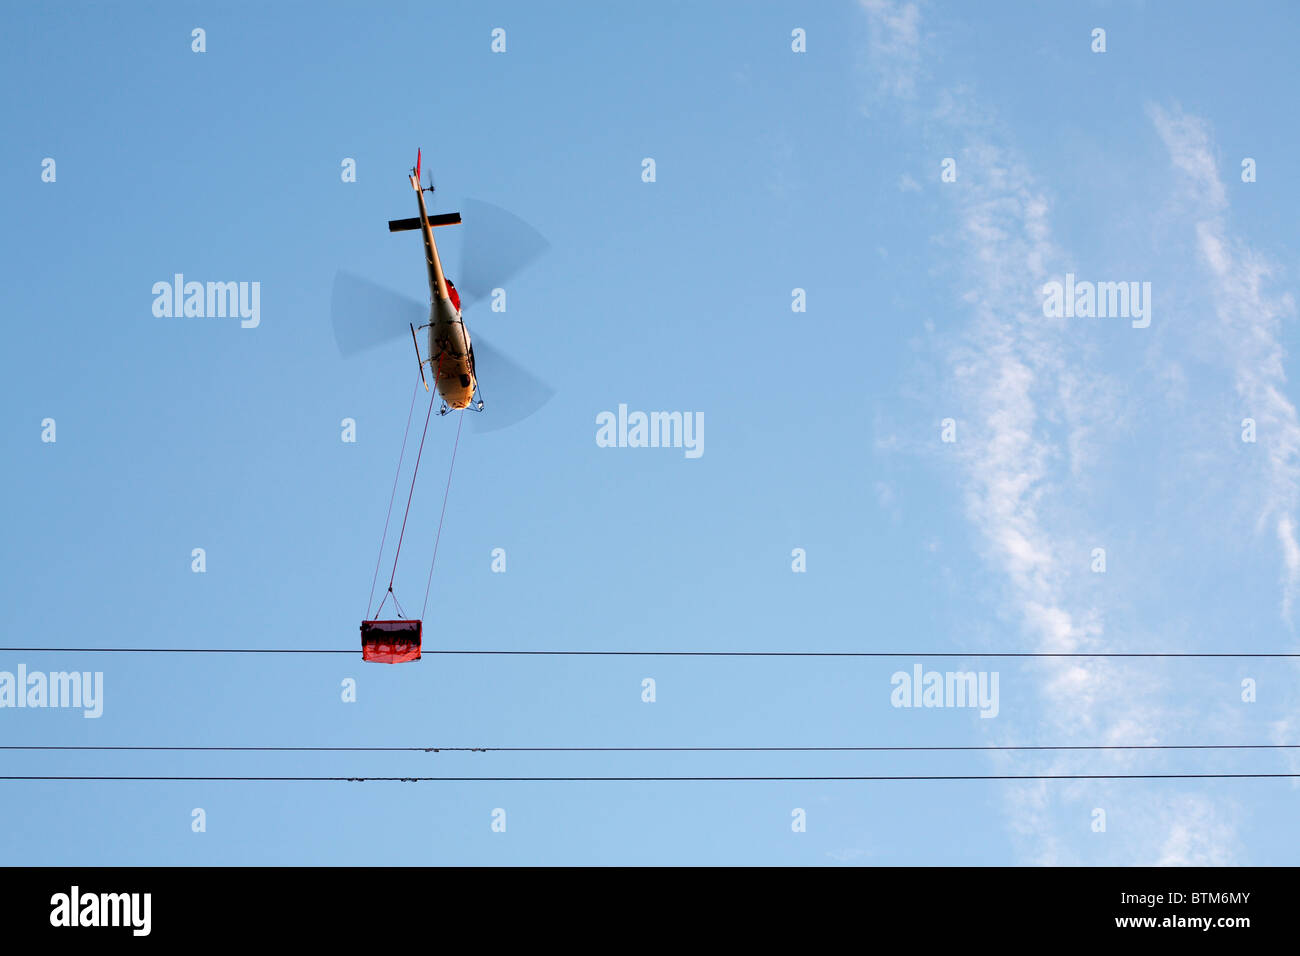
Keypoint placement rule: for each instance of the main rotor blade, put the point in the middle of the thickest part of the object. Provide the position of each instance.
(510, 394)
(366, 314)
(498, 245)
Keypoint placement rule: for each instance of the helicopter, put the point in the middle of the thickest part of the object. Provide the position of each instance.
(451, 353)
(496, 246)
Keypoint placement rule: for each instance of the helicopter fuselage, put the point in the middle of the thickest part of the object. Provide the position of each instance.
(451, 354)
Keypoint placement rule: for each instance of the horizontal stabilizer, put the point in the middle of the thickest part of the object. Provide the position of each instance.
(402, 225)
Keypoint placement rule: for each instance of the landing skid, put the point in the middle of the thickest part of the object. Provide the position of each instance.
(419, 361)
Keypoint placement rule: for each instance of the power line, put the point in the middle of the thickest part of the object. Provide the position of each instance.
(514, 653)
(811, 779)
(793, 749)
(178, 650)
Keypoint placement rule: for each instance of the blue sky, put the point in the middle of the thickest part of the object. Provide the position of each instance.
(775, 170)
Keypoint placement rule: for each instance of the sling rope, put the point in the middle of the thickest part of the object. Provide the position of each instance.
(414, 474)
(391, 498)
(438, 537)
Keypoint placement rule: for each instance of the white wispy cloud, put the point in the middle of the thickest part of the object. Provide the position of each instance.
(894, 45)
(1034, 408)
(1249, 328)
(1198, 834)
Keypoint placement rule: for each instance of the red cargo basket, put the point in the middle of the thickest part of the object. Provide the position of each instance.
(390, 642)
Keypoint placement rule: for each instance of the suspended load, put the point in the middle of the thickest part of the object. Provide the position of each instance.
(390, 642)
